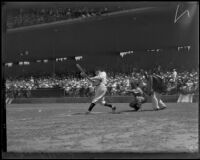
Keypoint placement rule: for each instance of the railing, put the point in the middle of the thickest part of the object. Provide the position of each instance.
(110, 99)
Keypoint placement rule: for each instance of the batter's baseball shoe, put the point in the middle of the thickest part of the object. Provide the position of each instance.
(113, 109)
(160, 108)
(88, 112)
(163, 107)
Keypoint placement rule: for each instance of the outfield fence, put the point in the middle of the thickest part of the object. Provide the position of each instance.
(111, 99)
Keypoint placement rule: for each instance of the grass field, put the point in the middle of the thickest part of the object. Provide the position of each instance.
(64, 127)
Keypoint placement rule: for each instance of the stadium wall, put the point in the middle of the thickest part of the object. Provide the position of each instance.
(113, 99)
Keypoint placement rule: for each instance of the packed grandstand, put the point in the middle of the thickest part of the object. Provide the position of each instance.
(74, 85)
(31, 16)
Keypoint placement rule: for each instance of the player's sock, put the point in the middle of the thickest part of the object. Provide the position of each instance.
(91, 107)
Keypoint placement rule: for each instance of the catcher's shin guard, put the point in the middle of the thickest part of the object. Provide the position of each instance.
(133, 102)
(136, 106)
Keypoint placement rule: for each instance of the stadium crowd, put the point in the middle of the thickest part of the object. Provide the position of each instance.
(74, 85)
(30, 16)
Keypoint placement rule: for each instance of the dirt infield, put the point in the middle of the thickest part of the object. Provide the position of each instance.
(64, 127)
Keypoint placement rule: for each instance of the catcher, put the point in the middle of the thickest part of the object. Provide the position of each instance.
(99, 81)
(139, 97)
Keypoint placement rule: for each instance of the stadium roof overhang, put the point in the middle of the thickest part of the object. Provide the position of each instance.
(126, 4)
(152, 25)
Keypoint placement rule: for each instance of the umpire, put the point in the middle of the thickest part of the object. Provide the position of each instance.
(157, 86)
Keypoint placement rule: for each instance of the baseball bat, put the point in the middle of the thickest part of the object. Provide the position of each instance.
(80, 68)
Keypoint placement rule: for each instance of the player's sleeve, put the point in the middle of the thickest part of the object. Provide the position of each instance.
(96, 78)
(140, 90)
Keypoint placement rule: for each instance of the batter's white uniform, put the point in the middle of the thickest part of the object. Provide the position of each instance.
(101, 89)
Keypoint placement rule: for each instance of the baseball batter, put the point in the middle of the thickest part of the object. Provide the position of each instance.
(99, 82)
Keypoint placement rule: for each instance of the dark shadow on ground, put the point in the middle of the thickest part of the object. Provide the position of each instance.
(141, 110)
(92, 113)
(116, 112)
